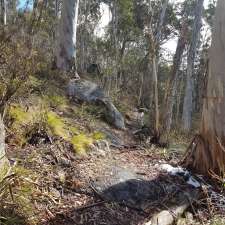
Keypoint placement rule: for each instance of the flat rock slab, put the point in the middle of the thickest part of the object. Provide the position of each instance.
(122, 185)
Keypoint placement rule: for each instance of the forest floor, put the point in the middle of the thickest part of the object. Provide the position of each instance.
(51, 185)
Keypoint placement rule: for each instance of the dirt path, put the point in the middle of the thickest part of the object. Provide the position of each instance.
(62, 192)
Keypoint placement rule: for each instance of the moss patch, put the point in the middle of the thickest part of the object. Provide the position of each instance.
(57, 125)
(81, 143)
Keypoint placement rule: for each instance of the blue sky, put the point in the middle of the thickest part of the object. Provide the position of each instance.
(23, 2)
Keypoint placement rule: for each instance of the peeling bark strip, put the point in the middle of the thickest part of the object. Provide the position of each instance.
(188, 98)
(66, 44)
(209, 157)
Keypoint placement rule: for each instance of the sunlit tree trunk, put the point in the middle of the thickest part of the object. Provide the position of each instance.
(207, 153)
(4, 164)
(188, 98)
(66, 43)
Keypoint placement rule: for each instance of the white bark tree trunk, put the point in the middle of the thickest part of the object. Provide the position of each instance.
(4, 164)
(188, 98)
(66, 40)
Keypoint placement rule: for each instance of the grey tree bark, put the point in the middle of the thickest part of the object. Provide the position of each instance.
(4, 164)
(173, 82)
(4, 12)
(66, 40)
(188, 98)
(153, 54)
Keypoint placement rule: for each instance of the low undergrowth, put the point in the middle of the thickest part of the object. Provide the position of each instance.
(47, 121)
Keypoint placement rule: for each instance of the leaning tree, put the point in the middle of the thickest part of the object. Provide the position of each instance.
(207, 152)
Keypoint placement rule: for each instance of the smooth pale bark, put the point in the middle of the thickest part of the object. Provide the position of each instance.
(161, 21)
(208, 150)
(188, 98)
(4, 164)
(66, 43)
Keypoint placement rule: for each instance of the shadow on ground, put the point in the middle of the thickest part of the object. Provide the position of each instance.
(131, 202)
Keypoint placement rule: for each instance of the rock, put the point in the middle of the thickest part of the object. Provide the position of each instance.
(167, 217)
(189, 217)
(113, 139)
(100, 147)
(163, 218)
(135, 118)
(4, 163)
(90, 92)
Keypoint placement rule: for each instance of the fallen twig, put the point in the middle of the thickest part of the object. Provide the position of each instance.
(90, 206)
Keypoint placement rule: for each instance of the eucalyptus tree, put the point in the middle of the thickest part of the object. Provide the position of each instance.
(172, 84)
(65, 53)
(188, 98)
(207, 152)
(154, 38)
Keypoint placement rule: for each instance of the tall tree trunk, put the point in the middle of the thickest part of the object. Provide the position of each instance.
(4, 12)
(66, 43)
(207, 154)
(4, 164)
(84, 39)
(114, 11)
(188, 98)
(180, 86)
(154, 47)
(173, 82)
